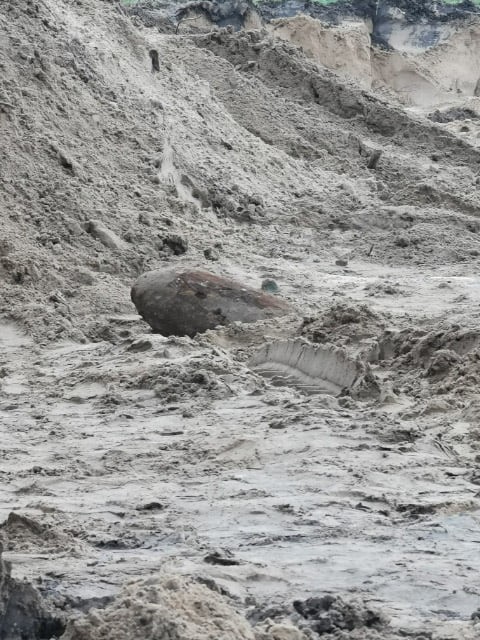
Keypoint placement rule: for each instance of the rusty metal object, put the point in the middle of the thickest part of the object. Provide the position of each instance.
(184, 303)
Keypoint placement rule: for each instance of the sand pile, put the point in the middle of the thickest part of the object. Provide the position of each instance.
(442, 74)
(171, 607)
(21, 533)
(440, 354)
(423, 77)
(345, 323)
(110, 179)
(345, 49)
(164, 608)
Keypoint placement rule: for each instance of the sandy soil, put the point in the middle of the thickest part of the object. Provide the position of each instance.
(424, 78)
(128, 454)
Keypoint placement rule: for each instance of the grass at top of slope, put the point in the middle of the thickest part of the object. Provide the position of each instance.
(466, 3)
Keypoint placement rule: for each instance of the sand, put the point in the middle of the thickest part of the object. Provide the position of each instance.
(347, 467)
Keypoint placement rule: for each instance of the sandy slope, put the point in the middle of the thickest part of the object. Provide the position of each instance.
(426, 77)
(131, 453)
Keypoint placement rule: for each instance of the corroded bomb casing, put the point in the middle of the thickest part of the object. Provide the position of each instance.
(184, 303)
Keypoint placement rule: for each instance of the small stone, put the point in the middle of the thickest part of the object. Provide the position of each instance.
(177, 245)
(153, 53)
(5, 247)
(65, 161)
(270, 286)
(341, 262)
(145, 219)
(98, 230)
(476, 614)
(211, 254)
(402, 241)
(256, 200)
(140, 345)
(278, 424)
(73, 227)
(225, 560)
(374, 158)
(151, 506)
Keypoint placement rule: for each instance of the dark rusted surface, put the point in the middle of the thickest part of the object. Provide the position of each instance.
(184, 303)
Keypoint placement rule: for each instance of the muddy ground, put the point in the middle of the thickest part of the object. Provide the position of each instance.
(214, 459)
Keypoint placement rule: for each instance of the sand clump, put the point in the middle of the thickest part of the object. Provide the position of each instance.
(172, 607)
(21, 532)
(445, 357)
(345, 323)
(164, 608)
